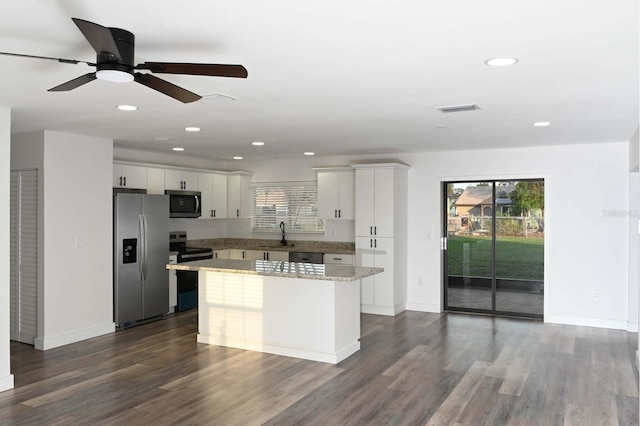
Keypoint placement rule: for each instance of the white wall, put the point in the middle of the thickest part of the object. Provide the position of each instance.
(587, 225)
(587, 221)
(6, 378)
(586, 239)
(76, 235)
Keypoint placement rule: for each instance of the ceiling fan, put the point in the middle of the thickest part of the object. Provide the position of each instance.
(114, 62)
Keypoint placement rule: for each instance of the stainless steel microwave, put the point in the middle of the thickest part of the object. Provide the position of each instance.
(184, 203)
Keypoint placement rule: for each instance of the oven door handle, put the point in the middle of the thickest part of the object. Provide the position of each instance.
(195, 255)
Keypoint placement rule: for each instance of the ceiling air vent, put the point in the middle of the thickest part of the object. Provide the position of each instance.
(458, 108)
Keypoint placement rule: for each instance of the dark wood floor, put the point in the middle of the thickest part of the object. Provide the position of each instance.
(414, 369)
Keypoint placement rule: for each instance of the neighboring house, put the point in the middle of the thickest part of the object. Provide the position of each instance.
(477, 200)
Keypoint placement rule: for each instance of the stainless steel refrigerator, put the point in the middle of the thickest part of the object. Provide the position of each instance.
(141, 252)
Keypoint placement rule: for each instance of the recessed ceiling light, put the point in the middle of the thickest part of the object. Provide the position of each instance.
(257, 143)
(192, 129)
(501, 62)
(542, 123)
(127, 107)
(177, 148)
(237, 157)
(309, 153)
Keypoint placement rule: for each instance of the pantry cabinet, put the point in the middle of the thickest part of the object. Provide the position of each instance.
(381, 235)
(336, 188)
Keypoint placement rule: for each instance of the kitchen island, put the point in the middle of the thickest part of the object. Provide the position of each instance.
(301, 310)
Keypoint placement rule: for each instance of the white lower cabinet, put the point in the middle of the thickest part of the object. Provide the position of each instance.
(222, 254)
(237, 254)
(338, 259)
(281, 256)
(377, 291)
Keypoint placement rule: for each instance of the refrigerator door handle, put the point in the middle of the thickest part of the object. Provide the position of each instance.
(141, 247)
(142, 263)
(145, 264)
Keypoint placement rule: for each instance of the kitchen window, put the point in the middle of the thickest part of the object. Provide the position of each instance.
(294, 203)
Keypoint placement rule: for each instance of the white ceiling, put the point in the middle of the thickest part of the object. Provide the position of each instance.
(338, 77)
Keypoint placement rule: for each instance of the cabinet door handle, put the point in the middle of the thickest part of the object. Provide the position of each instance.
(125, 180)
(370, 242)
(339, 213)
(120, 180)
(335, 214)
(214, 212)
(375, 243)
(215, 254)
(371, 230)
(243, 254)
(237, 212)
(337, 258)
(375, 230)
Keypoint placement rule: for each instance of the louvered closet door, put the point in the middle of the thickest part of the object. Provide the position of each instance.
(24, 256)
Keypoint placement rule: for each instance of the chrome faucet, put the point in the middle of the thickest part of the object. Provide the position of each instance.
(282, 241)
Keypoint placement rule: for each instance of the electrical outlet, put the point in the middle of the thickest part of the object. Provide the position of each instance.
(78, 242)
(596, 294)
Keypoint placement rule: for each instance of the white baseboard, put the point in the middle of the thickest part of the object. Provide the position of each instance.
(310, 354)
(632, 327)
(424, 307)
(587, 322)
(50, 342)
(378, 310)
(6, 383)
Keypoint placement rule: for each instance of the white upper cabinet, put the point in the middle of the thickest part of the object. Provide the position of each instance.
(336, 193)
(376, 202)
(126, 176)
(239, 196)
(381, 235)
(213, 188)
(155, 180)
(180, 180)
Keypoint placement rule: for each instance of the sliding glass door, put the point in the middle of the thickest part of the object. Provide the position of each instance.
(493, 247)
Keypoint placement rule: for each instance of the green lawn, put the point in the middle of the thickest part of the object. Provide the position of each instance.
(516, 257)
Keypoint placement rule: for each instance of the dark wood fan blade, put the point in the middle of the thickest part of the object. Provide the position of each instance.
(167, 88)
(100, 39)
(218, 70)
(76, 82)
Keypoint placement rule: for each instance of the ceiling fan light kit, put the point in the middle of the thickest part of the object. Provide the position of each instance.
(115, 63)
(114, 76)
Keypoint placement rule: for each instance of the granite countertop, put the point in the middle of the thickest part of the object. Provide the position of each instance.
(335, 247)
(311, 271)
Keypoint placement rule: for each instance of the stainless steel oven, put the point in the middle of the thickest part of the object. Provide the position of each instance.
(187, 281)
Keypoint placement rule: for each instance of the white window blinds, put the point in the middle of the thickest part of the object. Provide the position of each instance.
(294, 203)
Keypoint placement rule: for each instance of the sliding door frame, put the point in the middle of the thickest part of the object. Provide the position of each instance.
(445, 253)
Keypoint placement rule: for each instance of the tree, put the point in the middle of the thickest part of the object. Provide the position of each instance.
(527, 196)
